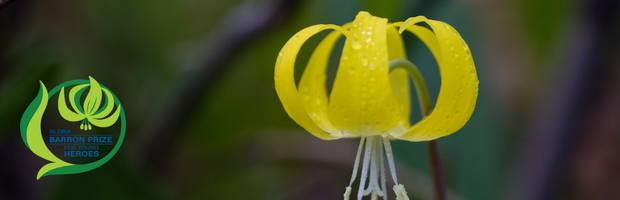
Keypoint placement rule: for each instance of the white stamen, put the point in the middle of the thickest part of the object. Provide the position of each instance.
(347, 193)
(372, 163)
(388, 152)
(401, 194)
(357, 161)
(367, 151)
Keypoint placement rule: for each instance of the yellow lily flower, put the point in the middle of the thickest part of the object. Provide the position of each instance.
(370, 95)
(89, 113)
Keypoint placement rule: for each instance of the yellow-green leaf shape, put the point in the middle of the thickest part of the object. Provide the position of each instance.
(91, 106)
(366, 98)
(35, 140)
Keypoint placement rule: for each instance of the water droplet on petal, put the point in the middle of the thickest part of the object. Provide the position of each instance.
(372, 66)
(450, 46)
(355, 44)
(472, 73)
(364, 61)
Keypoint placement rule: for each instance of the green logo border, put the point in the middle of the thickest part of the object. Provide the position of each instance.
(30, 127)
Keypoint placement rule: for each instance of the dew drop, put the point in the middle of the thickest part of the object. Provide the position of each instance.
(450, 46)
(456, 55)
(345, 57)
(372, 66)
(457, 66)
(368, 40)
(369, 32)
(467, 55)
(472, 73)
(465, 47)
(355, 44)
(280, 54)
(364, 61)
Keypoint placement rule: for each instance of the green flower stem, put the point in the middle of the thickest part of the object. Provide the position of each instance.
(425, 107)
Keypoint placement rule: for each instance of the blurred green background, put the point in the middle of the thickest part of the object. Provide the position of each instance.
(204, 121)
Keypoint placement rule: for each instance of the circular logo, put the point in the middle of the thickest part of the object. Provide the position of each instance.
(73, 148)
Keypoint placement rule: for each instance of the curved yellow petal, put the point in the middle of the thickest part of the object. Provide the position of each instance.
(93, 99)
(362, 101)
(64, 110)
(105, 122)
(109, 106)
(72, 93)
(285, 81)
(459, 82)
(399, 77)
(312, 84)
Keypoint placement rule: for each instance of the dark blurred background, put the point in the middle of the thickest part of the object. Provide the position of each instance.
(204, 121)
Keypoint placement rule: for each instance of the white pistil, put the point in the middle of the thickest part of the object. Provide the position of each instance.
(383, 179)
(373, 183)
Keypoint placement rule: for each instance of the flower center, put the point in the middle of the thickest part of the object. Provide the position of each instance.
(373, 167)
